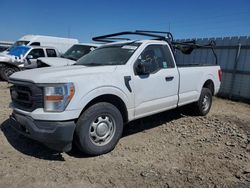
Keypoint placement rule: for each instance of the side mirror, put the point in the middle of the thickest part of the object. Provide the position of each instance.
(143, 68)
(30, 57)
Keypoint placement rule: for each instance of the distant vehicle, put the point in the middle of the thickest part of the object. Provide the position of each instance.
(119, 82)
(3, 48)
(69, 57)
(21, 57)
(4, 45)
(62, 44)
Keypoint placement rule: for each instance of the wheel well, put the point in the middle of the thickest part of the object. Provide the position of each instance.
(9, 65)
(210, 85)
(112, 99)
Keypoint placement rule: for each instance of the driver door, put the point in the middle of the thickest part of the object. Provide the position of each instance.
(158, 89)
(31, 58)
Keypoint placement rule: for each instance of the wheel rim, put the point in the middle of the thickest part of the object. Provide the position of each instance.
(8, 72)
(205, 103)
(102, 130)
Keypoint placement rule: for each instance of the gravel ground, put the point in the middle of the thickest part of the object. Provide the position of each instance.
(171, 149)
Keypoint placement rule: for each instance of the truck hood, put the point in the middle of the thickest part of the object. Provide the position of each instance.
(10, 58)
(61, 74)
(56, 61)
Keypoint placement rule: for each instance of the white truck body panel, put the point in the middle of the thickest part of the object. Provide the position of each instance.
(192, 79)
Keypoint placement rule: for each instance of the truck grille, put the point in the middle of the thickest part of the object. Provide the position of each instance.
(26, 96)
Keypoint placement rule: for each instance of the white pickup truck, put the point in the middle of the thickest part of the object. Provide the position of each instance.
(21, 57)
(90, 102)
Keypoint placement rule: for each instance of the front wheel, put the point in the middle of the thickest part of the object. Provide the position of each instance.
(99, 129)
(7, 71)
(203, 105)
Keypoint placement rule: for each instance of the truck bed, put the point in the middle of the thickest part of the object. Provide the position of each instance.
(192, 77)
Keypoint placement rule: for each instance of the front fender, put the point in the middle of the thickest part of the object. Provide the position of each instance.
(81, 101)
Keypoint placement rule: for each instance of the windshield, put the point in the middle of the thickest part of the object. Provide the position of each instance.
(19, 50)
(19, 43)
(109, 55)
(77, 51)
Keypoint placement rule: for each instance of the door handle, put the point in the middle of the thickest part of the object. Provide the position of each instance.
(169, 78)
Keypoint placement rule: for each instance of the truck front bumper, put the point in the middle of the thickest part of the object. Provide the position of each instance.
(54, 134)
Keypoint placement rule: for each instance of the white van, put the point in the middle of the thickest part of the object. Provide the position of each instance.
(62, 44)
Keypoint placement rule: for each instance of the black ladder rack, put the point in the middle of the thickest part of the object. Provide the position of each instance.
(185, 47)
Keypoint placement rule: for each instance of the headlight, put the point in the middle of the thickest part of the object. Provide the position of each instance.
(57, 97)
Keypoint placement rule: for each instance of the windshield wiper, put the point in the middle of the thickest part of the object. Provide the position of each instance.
(93, 64)
(90, 64)
(71, 58)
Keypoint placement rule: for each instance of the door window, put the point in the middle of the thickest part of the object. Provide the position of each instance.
(51, 53)
(157, 57)
(35, 44)
(36, 53)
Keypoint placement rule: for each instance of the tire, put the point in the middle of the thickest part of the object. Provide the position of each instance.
(99, 129)
(203, 105)
(7, 71)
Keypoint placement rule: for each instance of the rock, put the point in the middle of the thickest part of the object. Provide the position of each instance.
(241, 136)
(238, 175)
(230, 144)
(248, 147)
(246, 169)
(243, 146)
(148, 173)
(144, 174)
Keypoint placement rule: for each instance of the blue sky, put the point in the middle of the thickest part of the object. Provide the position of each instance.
(88, 18)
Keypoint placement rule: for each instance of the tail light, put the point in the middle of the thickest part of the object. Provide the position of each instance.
(220, 74)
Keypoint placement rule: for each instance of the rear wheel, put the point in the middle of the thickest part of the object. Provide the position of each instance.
(203, 105)
(99, 129)
(6, 71)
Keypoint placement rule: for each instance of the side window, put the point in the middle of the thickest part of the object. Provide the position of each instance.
(156, 57)
(51, 53)
(35, 44)
(168, 54)
(36, 53)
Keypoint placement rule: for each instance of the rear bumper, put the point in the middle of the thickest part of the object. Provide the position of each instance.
(54, 134)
